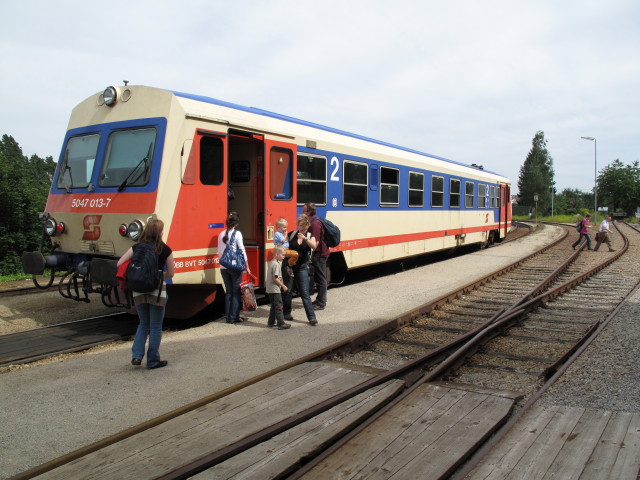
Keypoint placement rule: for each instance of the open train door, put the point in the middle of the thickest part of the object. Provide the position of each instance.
(505, 210)
(279, 189)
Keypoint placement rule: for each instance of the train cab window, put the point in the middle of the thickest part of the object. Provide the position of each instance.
(280, 177)
(416, 189)
(128, 158)
(482, 195)
(454, 193)
(354, 184)
(437, 191)
(469, 192)
(492, 197)
(312, 180)
(389, 186)
(211, 161)
(78, 161)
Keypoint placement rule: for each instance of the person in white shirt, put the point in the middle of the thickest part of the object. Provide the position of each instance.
(603, 234)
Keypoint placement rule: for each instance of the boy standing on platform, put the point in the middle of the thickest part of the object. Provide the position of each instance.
(274, 286)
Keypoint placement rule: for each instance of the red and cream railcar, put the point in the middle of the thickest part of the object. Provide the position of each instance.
(132, 153)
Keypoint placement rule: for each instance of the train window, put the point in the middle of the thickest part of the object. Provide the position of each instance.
(79, 159)
(492, 195)
(416, 189)
(454, 193)
(312, 180)
(437, 191)
(280, 182)
(128, 158)
(482, 195)
(354, 185)
(211, 161)
(389, 186)
(469, 192)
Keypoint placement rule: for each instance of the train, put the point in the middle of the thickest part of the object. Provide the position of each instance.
(134, 153)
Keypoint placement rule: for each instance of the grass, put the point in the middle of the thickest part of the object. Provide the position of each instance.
(14, 277)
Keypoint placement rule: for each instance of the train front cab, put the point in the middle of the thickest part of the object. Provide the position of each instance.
(237, 171)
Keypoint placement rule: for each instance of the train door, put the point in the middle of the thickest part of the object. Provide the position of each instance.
(505, 210)
(279, 189)
(244, 182)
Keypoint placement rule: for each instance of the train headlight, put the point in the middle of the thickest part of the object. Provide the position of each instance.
(134, 230)
(50, 227)
(122, 230)
(110, 96)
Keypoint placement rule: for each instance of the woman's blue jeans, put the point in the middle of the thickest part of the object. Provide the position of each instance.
(151, 317)
(232, 298)
(301, 277)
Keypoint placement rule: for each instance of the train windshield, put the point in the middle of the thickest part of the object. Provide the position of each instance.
(128, 158)
(78, 161)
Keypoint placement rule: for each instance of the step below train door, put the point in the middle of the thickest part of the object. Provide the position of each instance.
(279, 190)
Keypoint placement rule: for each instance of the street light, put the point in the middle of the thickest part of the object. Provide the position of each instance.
(595, 177)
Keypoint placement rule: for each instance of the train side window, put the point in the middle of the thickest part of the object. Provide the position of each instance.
(128, 158)
(469, 192)
(211, 161)
(281, 165)
(312, 180)
(79, 159)
(492, 194)
(454, 193)
(482, 195)
(389, 186)
(416, 189)
(437, 191)
(354, 184)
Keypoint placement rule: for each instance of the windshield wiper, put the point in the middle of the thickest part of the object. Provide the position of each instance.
(63, 170)
(146, 168)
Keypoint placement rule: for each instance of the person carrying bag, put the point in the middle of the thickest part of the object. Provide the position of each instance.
(233, 260)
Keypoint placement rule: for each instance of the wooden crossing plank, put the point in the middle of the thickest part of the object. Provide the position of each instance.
(425, 434)
(568, 443)
(272, 459)
(213, 426)
(578, 446)
(601, 462)
(628, 460)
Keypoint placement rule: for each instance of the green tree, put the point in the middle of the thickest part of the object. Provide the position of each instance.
(619, 186)
(571, 200)
(24, 186)
(536, 176)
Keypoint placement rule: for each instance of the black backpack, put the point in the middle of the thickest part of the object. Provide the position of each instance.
(579, 226)
(331, 232)
(143, 274)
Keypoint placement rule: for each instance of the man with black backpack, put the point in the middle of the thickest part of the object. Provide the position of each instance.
(319, 256)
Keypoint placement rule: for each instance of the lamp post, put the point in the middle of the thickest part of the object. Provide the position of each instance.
(595, 177)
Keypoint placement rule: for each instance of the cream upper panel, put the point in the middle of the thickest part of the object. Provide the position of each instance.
(283, 130)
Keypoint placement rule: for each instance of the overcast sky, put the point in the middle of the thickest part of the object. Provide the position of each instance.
(472, 81)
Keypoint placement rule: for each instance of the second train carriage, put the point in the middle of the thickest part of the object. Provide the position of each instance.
(132, 153)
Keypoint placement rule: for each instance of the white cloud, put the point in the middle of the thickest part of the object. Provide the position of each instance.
(471, 81)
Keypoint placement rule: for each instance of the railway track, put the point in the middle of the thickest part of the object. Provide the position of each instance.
(482, 321)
